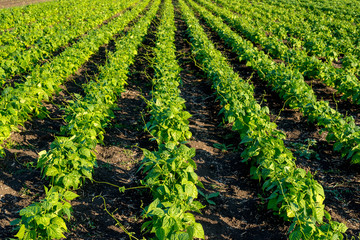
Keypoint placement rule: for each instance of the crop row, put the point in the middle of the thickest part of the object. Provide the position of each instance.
(291, 87)
(21, 56)
(18, 16)
(321, 36)
(312, 67)
(348, 10)
(295, 195)
(71, 159)
(170, 170)
(29, 33)
(291, 18)
(17, 104)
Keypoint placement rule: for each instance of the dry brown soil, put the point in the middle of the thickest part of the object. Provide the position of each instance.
(15, 3)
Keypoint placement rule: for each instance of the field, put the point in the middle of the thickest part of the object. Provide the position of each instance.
(183, 119)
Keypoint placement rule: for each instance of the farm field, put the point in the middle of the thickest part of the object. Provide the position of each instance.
(12, 3)
(180, 119)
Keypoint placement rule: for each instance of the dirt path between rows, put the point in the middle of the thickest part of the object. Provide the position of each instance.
(118, 159)
(238, 213)
(340, 180)
(16, 3)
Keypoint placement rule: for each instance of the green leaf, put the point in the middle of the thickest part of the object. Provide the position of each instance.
(122, 189)
(170, 145)
(68, 195)
(15, 222)
(145, 225)
(342, 227)
(68, 181)
(188, 134)
(60, 222)
(246, 139)
(214, 194)
(296, 235)
(51, 171)
(355, 158)
(199, 231)
(327, 215)
(319, 214)
(85, 152)
(180, 236)
(290, 213)
(191, 190)
(55, 231)
(272, 204)
(43, 152)
(160, 233)
(29, 211)
(42, 220)
(21, 232)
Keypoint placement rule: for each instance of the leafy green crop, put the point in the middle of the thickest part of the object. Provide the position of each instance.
(295, 195)
(45, 219)
(343, 81)
(17, 104)
(171, 178)
(290, 85)
(71, 159)
(21, 52)
(170, 170)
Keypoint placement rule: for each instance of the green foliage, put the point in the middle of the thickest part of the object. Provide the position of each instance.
(168, 121)
(23, 47)
(322, 34)
(169, 220)
(170, 176)
(295, 195)
(297, 58)
(209, 196)
(304, 149)
(290, 85)
(170, 170)
(71, 160)
(45, 219)
(17, 104)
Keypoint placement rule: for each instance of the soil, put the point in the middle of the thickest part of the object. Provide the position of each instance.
(118, 158)
(49, 56)
(240, 209)
(238, 213)
(15, 3)
(341, 181)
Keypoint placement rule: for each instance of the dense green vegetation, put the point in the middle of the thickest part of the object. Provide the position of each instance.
(286, 43)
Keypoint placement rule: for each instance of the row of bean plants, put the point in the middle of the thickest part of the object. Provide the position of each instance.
(290, 85)
(25, 15)
(17, 104)
(311, 67)
(315, 35)
(329, 24)
(319, 34)
(21, 58)
(170, 170)
(323, 36)
(29, 33)
(71, 159)
(295, 195)
(341, 9)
